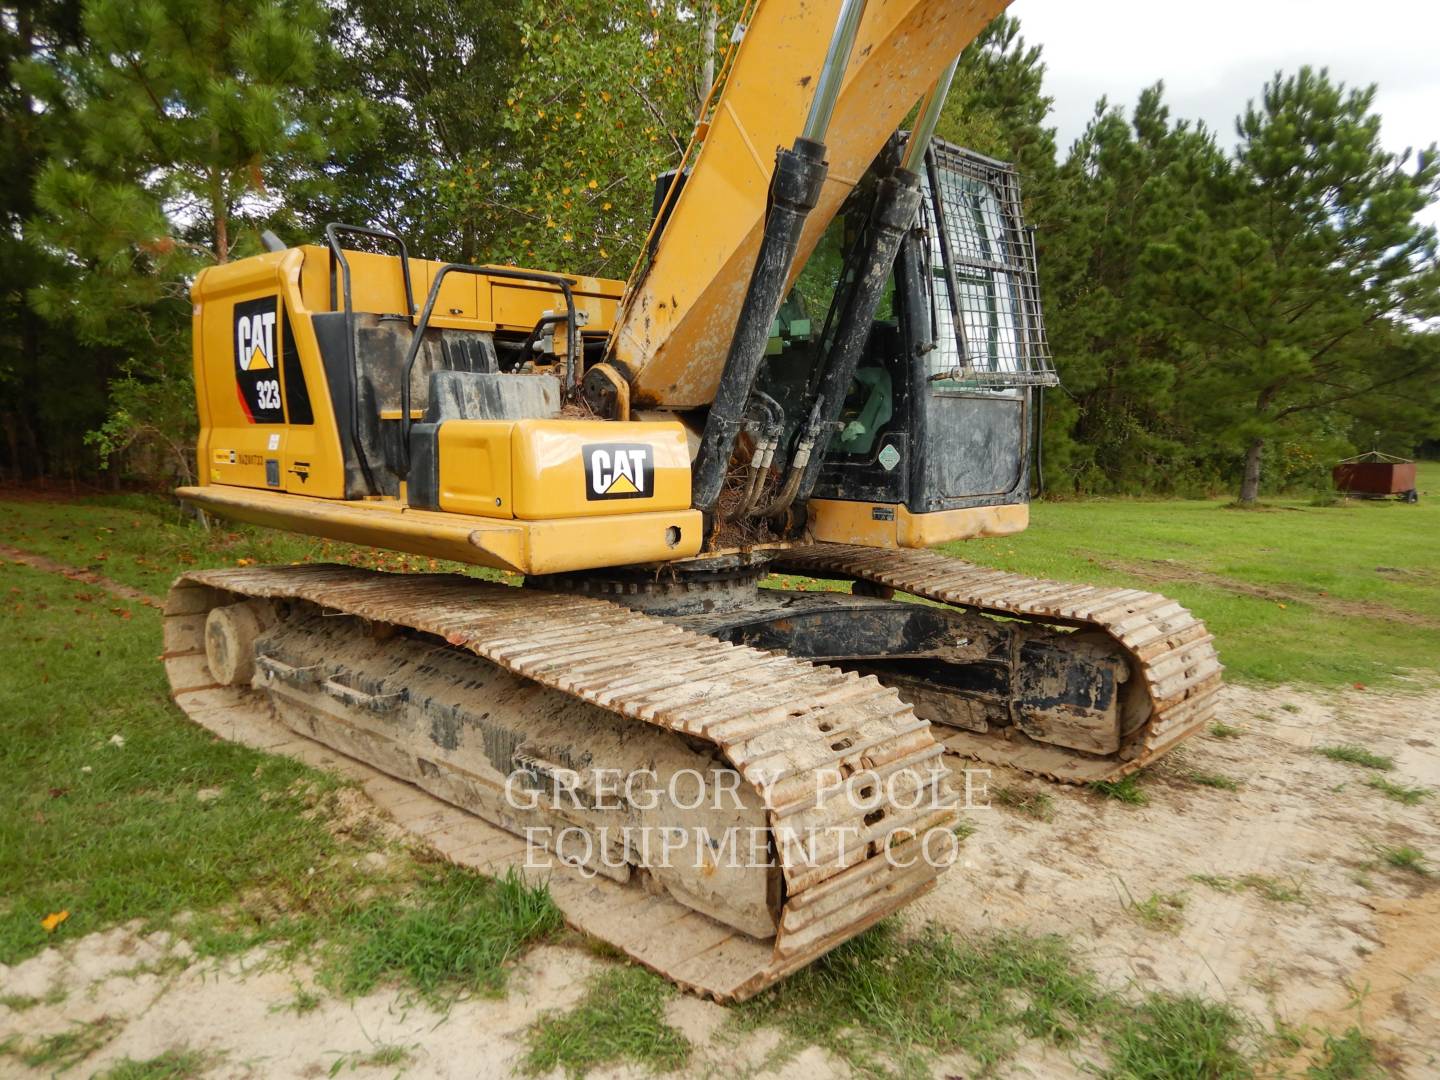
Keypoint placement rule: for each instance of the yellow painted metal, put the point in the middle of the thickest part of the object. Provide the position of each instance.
(475, 467)
(884, 525)
(678, 319)
(466, 301)
(553, 512)
(231, 448)
(524, 547)
(595, 468)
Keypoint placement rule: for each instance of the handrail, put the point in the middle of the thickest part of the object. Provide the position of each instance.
(337, 254)
(572, 327)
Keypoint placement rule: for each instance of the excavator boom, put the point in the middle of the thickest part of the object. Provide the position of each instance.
(679, 315)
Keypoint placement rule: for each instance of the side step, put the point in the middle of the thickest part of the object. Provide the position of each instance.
(1171, 650)
(784, 725)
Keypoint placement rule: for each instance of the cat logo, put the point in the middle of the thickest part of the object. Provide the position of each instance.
(257, 368)
(619, 471)
(255, 341)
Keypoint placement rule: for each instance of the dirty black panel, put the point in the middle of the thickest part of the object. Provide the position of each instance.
(330, 337)
(423, 488)
(381, 343)
(978, 447)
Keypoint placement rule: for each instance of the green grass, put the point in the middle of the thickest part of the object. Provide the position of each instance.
(1180, 1038)
(1410, 796)
(171, 1065)
(1357, 755)
(1350, 1056)
(1363, 573)
(23, 1002)
(1404, 857)
(1270, 888)
(621, 1018)
(1212, 780)
(885, 1003)
(1039, 805)
(891, 1005)
(1159, 911)
(1226, 731)
(64, 1049)
(145, 541)
(383, 1056)
(304, 1001)
(459, 937)
(1125, 790)
(116, 833)
(112, 833)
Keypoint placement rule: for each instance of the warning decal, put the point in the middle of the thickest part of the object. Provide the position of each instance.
(257, 377)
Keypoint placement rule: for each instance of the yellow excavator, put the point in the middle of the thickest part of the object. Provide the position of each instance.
(830, 358)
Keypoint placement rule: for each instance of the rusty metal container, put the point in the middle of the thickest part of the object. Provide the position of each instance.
(1374, 474)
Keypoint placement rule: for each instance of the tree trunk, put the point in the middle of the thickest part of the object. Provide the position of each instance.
(707, 65)
(217, 202)
(1250, 486)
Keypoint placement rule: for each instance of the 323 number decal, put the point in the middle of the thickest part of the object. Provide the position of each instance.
(268, 393)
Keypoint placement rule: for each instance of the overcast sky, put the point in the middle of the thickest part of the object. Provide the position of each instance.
(1215, 56)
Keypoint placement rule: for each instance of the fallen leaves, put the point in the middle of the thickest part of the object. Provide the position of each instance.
(54, 919)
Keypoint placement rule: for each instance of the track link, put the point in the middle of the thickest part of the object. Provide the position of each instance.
(807, 739)
(1173, 653)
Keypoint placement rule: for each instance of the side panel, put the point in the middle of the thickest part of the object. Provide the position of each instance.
(474, 467)
(237, 374)
(582, 469)
(466, 301)
(261, 391)
(843, 521)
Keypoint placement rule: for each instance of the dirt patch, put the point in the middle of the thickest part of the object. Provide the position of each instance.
(89, 577)
(1298, 826)
(1162, 571)
(1396, 986)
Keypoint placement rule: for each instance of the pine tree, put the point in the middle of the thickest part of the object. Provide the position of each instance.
(1123, 185)
(1309, 267)
(169, 136)
(434, 73)
(50, 390)
(997, 103)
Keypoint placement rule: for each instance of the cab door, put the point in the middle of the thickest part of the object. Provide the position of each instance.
(973, 387)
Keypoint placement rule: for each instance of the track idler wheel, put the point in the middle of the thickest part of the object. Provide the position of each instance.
(230, 635)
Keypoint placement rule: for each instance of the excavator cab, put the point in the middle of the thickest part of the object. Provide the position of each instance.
(937, 434)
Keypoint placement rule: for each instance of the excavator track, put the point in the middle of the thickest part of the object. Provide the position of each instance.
(851, 784)
(1171, 651)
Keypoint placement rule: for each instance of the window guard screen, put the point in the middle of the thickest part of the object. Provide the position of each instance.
(982, 261)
